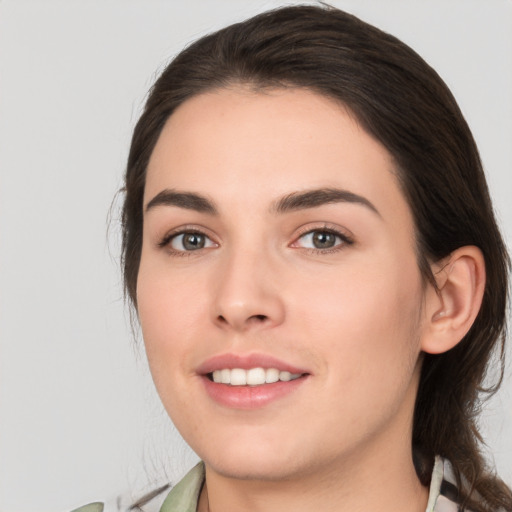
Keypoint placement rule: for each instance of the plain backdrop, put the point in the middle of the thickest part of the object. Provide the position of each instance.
(79, 416)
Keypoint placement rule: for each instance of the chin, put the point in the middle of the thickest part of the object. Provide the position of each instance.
(250, 457)
(259, 459)
(254, 469)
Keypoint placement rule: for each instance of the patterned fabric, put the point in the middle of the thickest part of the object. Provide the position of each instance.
(443, 491)
(183, 497)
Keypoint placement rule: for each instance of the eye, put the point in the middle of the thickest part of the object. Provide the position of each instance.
(189, 241)
(322, 239)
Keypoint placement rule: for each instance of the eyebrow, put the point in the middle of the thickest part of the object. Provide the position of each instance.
(187, 200)
(291, 202)
(319, 197)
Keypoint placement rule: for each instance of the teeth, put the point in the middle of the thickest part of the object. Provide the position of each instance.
(252, 377)
(255, 376)
(285, 376)
(271, 375)
(238, 377)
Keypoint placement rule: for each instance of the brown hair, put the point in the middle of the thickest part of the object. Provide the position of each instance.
(400, 100)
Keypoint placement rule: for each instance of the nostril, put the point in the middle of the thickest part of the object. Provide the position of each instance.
(241, 321)
(222, 320)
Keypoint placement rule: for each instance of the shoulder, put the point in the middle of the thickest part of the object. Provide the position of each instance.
(91, 507)
(150, 502)
(182, 497)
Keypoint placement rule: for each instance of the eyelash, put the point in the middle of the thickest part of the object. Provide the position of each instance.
(344, 240)
(169, 237)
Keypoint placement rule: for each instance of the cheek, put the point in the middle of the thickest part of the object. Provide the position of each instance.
(169, 307)
(168, 315)
(368, 323)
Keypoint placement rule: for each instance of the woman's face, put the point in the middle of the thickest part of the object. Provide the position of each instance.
(276, 242)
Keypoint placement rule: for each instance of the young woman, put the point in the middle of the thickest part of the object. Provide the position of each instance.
(311, 250)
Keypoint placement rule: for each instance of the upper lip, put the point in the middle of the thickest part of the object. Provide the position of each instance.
(246, 362)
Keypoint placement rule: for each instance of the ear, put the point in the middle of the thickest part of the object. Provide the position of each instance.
(451, 309)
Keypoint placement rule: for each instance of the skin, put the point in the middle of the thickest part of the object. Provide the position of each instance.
(353, 315)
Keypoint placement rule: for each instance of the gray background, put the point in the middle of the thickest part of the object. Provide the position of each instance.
(79, 417)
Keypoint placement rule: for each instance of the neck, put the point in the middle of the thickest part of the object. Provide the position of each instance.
(387, 483)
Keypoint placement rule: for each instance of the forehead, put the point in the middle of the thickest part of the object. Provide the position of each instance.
(236, 143)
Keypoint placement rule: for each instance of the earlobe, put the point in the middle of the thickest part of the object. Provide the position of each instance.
(451, 309)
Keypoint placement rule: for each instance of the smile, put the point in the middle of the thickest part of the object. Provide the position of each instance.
(250, 381)
(252, 376)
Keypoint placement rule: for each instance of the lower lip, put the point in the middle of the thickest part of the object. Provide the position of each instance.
(250, 397)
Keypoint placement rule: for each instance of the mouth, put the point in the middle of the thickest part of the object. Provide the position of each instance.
(250, 381)
(252, 376)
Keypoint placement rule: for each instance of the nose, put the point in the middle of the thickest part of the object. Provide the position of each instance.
(246, 295)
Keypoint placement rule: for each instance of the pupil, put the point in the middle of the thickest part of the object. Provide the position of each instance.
(193, 241)
(322, 240)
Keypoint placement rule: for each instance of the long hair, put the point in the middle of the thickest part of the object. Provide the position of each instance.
(402, 102)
